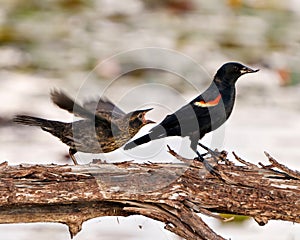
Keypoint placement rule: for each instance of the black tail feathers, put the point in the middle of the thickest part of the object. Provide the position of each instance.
(139, 141)
(155, 133)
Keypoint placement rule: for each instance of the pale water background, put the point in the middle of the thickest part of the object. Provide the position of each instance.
(58, 43)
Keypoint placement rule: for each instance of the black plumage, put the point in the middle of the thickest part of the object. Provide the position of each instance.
(205, 113)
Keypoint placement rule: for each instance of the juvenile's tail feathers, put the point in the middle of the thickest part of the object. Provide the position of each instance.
(46, 125)
(28, 120)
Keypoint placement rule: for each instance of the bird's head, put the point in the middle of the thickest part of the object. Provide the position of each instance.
(137, 119)
(231, 71)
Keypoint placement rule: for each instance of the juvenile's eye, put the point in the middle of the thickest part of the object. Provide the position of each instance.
(140, 116)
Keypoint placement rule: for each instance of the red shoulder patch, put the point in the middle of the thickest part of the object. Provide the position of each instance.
(211, 103)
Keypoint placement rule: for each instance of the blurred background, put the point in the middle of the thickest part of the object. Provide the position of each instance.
(93, 48)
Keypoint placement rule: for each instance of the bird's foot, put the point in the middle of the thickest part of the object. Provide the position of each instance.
(200, 157)
(212, 170)
(214, 153)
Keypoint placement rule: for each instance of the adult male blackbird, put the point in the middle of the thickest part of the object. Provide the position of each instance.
(205, 113)
(105, 130)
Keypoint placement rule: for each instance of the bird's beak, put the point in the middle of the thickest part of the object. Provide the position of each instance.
(149, 121)
(145, 121)
(245, 70)
(147, 110)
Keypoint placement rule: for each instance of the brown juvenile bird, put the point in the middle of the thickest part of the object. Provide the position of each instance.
(106, 130)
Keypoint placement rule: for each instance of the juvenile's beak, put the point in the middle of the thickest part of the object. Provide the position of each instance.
(149, 121)
(147, 110)
(245, 70)
(145, 120)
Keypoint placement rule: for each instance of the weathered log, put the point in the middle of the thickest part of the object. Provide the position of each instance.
(171, 193)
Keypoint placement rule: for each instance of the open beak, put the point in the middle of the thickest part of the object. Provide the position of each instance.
(149, 121)
(145, 121)
(245, 70)
(147, 110)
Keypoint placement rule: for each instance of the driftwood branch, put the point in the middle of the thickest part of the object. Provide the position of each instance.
(171, 193)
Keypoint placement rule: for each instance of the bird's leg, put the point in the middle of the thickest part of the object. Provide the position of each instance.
(71, 153)
(206, 164)
(215, 154)
(211, 152)
(200, 157)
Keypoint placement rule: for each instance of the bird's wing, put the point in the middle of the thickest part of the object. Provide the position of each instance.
(63, 101)
(103, 107)
(184, 122)
(197, 111)
(184, 115)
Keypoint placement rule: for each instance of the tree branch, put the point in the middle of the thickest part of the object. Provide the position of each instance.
(171, 193)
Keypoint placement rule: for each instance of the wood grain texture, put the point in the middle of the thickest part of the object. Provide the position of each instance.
(171, 193)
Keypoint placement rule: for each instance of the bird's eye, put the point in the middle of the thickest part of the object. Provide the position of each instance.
(140, 116)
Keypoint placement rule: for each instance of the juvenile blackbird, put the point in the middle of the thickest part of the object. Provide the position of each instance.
(202, 115)
(103, 107)
(107, 129)
(130, 122)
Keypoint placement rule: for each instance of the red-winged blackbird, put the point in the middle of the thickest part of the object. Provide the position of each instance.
(205, 113)
(105, 130)
(103, 107)
(130, 122)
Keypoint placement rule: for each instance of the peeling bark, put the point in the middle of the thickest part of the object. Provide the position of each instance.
(170, 193)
